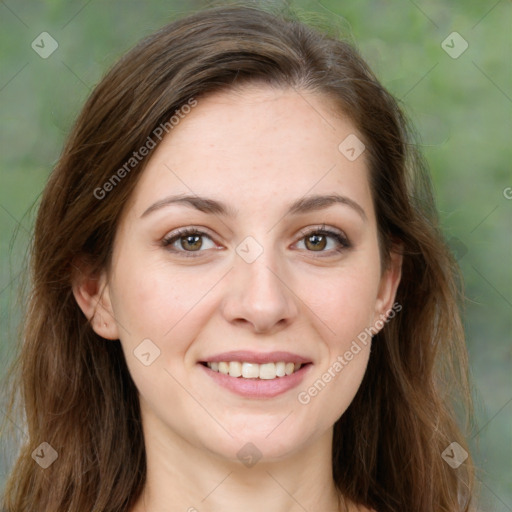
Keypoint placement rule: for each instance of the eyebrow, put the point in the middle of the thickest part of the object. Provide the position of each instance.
(300, 206)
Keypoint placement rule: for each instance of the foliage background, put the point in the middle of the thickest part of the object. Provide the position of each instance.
(461, 107)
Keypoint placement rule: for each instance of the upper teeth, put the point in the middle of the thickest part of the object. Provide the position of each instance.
(254, 370)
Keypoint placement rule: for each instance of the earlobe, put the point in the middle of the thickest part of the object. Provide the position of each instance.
(388, 285)
(92, 294)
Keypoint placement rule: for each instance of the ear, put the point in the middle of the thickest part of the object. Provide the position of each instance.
(92, 294)
(388, 286)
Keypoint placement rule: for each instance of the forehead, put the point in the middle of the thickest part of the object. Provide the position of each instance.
(257, 144)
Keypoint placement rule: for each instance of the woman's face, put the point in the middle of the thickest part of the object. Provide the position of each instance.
(281, 266)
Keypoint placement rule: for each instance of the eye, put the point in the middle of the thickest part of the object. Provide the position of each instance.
(317, 239)
(189, 239)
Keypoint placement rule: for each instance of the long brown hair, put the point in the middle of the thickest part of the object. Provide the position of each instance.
(76, 391)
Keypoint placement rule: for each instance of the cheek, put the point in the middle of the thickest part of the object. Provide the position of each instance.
(346, 310)
(344, 301)
(154, 300)
(167, 306)
(331, 390)
(345, 304)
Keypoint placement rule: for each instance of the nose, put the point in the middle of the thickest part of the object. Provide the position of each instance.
(260, 296)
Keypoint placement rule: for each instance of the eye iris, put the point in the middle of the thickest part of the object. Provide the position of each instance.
(319, 241)
(193, 242)
(195, 239)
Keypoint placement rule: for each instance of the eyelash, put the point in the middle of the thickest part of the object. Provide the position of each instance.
(340, 238)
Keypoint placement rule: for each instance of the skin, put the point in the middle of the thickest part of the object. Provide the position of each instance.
(256, 149)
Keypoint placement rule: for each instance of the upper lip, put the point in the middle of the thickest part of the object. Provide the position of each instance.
(257, 357)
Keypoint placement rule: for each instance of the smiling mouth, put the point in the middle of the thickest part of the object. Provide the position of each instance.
(245, 370)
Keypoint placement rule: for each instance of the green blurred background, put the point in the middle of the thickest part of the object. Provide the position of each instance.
(462, 108)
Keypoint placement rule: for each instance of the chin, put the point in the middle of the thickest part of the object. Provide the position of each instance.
(259, 444)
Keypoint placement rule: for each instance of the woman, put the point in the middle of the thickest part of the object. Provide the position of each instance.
(241, 295)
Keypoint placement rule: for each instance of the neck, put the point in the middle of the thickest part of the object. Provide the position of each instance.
(184, 477)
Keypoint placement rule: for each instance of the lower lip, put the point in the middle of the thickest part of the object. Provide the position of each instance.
(258, 388)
